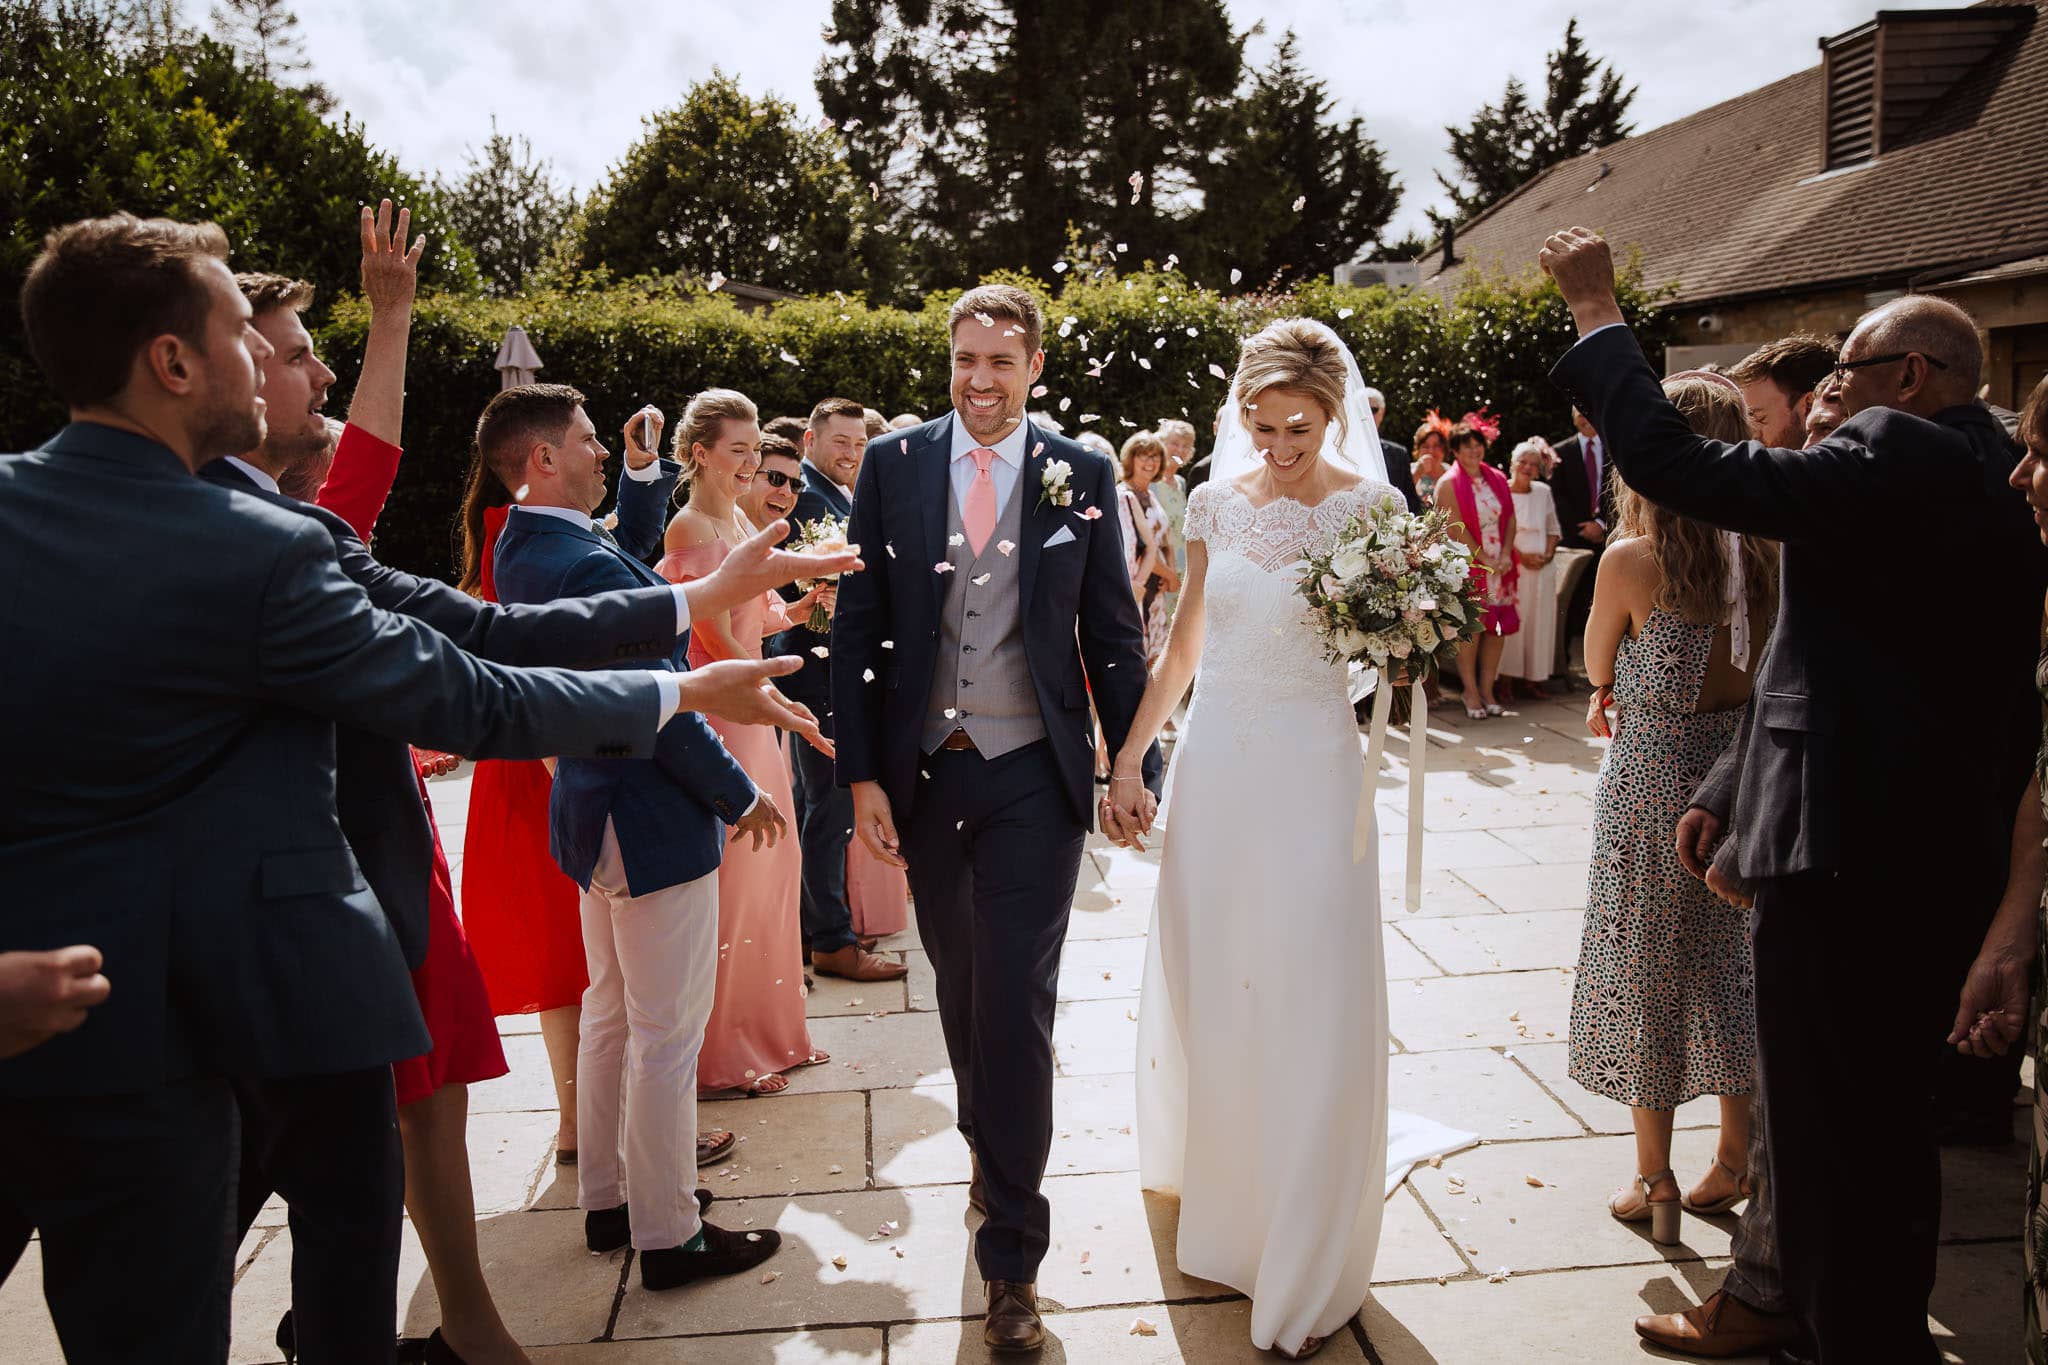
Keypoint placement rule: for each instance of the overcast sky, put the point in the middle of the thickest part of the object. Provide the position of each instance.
(426, 78)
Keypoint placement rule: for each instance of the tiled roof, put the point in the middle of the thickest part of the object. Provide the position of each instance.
(1732, 201)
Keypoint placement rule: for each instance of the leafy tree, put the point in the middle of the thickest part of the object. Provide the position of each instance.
(266, 35)
(89, 126)
(1507, 144)
(507, 209)
(731, 184)
(987, 129)
(1297, 193)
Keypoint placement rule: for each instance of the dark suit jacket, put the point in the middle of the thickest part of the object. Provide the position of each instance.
(1852, 760)
(1079, 622)
(1575, 500)
(1398, 472)
(669, 809)
(813, 684)
(376, 792)
(178, 656)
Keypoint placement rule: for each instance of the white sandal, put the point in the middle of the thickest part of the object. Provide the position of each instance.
(1660, 1214)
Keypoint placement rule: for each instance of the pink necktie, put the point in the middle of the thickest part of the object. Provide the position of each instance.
(978, 516)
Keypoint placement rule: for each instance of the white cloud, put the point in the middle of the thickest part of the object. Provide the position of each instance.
(576, 80)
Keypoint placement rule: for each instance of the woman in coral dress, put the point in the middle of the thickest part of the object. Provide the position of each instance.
(757, 1029)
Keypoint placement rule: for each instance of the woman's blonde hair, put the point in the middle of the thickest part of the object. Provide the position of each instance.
(700, 424)
(1691, 556)
(1293, 353)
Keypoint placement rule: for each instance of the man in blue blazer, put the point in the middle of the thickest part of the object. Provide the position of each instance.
(186, 652)
(834, 443)
(963, 662)
(643, 838)
(1876, 836)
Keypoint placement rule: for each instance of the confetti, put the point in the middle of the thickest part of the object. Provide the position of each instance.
(1218, 371)
(1137, 184)
(904, 445)
(891, 549)
(789, 359)
(520, 496)
(956, 539)
(874, 190)
(1066, 403)
(1121, 248)
(1004, 547)
(1296, 416)
(1499, 1276)
(943, 566)
(836, 1168)
(770, 1276)
(821, 652)
(1158, 343)
(1534, 1182)
(716, 282)
(1059, 267)
(867, 675)
(1089, 417)
(1090, 514)
(1343, 313)
(888, 644)
(984, 319)
(839, 1262)
(1144, 364)
(1235, 274)
(1038, 449)
(1300, 202)
(1143, 1327)
(951, 714)
(1039, 391)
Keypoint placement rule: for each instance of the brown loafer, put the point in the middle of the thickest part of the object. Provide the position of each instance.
(854, 963)
(977, 1193)
(1722, 1326)
(1012, 1323)
(714, 1146)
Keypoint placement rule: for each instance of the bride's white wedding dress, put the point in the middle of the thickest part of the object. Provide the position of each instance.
(1262, 1036)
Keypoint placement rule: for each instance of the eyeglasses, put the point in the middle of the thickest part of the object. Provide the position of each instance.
(1842, 367)
(775, 478)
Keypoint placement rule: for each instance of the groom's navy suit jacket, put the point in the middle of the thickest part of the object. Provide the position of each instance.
(178, 657)
(1850, 762)
(376, 792)
(669, 811)
(1080, 623)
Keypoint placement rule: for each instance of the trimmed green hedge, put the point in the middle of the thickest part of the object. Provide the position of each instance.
(1156, 335)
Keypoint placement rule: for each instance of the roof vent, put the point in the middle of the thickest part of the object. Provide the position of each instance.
(1885, 77)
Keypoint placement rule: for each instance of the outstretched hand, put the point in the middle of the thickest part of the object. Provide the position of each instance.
(1583, 266)
(756, 566)
(391, 273)
(738, 690)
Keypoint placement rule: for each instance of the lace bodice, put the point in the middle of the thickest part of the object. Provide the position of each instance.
(1259, 650)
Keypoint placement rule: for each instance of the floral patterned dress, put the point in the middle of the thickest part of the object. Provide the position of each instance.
(2036, 1241)
(1664, 1007)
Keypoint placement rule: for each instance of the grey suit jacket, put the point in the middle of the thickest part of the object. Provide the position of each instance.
(184, 653)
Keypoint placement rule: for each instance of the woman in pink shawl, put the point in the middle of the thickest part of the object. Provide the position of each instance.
(1481, 501)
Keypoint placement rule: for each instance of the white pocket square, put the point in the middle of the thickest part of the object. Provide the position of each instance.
(1063, 536)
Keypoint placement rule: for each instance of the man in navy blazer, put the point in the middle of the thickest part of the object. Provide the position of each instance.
(185, 652)
(1876, 836)
(834, 443)
(963, 661)
(644, 839)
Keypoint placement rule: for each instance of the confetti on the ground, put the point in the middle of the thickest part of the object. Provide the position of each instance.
(839, 1262)
(1535, 1182)
(1143, 1327)
(770, 1276)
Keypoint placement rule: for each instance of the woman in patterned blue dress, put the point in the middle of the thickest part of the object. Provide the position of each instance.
(1663, 1009)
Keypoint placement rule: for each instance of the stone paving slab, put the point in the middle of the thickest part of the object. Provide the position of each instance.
(1440, 1013)
(1480, 1091)
(1548, 1062)
(1473, 944)
(1218, 1332)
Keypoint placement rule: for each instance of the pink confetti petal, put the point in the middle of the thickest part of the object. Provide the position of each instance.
(1090, 514)
(943, 566)
(1039, 391)
(1004, 547)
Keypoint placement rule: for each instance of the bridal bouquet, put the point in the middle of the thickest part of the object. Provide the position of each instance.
(825, 535)
(1394, 585)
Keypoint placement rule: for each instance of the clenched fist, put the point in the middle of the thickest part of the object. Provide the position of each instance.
(1583, 266)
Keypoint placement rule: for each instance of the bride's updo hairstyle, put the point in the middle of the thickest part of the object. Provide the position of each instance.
(1293, 353)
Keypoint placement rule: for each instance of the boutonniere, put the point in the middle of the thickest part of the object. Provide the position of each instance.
(1053, 484)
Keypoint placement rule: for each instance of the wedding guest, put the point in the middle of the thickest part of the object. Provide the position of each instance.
(1778, 383)
(1432, 456)
(1531, 652)
(1585, 508)
(905, 419)
(1170, 490)
(257, 646)
(644, 839)
(756, 1030)
(1481, 503)
(834, 448)
(1992, 1013)
(873, 423)
(1143, 520)
(772, 495)
(791, 428)
(1859, 810)
(1661, 1009)
(1400, 472)
(1826, 413)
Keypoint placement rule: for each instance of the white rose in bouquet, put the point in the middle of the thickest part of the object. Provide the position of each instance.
(1426, 637)
(1350, 639)
(1350, 561)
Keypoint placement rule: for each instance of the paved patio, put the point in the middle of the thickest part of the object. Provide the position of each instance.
(859, 1167)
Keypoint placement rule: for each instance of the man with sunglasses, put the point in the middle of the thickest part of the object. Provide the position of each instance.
(834, 443)
(1875, 827)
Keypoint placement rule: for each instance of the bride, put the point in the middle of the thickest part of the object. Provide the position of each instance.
(1262, 1043)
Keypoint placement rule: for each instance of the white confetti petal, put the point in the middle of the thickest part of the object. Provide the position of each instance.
(716, 282)
(982, 581)
(956, 539)
(943, 566)
(520, 496)
(1004, 547)
(789, 359)
(1343, 313)
(1218, 371)
(821, 652)
(1143, 1327)
(867, 675)
(1235, 274)
(1300, 202)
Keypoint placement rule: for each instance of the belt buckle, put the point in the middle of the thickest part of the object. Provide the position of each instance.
(959, 740)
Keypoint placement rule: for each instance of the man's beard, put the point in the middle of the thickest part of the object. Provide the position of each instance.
(227, 428)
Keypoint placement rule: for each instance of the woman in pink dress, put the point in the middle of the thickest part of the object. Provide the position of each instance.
(1481, 505)
(757, 1028)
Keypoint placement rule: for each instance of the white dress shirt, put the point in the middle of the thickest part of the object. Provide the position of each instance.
(1004, 470)
(263, 480)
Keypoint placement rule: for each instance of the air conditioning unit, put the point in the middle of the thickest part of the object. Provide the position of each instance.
(1392, 274)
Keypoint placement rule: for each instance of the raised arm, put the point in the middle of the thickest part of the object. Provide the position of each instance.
(366, 461)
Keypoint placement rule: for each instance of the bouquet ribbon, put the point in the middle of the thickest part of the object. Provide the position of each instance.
(1364, 841)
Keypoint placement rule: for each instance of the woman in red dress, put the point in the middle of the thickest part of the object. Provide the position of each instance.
(519, 909)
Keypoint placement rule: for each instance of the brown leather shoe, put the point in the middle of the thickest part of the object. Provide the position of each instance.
(867, 942)
(977, 1193)
(1013, 1323)
(854, 963)
(715, 1145)
(1722, 1326)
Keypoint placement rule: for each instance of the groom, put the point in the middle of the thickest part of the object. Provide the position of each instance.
(996, 599)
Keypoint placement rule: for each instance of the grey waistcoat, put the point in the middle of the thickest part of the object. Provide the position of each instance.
(982, 677)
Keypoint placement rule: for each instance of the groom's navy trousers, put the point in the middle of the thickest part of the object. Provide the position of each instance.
(995, 849)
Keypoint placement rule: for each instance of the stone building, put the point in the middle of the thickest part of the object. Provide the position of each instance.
(1913, 158)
